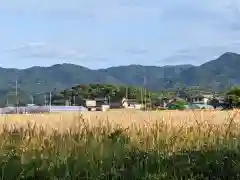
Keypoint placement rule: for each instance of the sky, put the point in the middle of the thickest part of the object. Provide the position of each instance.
(99, 34)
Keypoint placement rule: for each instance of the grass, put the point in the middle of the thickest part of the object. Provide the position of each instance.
(121, 145)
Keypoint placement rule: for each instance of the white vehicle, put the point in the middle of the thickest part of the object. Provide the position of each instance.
(30, 105)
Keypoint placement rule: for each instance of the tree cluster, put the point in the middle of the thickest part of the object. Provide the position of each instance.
(113, 93)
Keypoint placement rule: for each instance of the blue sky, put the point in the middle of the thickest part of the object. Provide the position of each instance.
(99, 34)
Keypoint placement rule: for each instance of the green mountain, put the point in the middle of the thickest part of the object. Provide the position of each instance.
(217, 74)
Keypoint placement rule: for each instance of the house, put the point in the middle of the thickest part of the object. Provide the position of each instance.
(200, 99)
(97, 103)
(131, 103)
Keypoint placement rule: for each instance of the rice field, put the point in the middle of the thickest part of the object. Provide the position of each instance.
(123, 118)
(121, 144)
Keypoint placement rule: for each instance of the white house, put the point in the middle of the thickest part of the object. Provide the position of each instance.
(200, 99)
(131, 103)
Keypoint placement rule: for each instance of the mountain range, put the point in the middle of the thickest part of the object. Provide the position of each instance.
(217, 74)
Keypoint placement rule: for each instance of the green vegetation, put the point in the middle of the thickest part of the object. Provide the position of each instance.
(104, 152)
(234, 91)
(234, 95)
(178, 104)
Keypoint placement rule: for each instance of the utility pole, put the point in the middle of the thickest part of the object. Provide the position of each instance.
(230, 82)
(145, 92)
(150, 101)
(50, 100)
(74, 100)
(109, 100)
(45, 100)
(32, 99)
(16, 91)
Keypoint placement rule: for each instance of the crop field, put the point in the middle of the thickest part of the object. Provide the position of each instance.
(121, 144)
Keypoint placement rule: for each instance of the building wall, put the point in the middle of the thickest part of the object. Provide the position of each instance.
(132, 106)
(205, 100)
(116, 105)
(138, 106)
(125, 104)
(200, 100)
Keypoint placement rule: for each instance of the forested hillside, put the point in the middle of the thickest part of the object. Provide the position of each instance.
(219, 74)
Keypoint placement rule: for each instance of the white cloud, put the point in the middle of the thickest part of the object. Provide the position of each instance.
(48, 51)
(105, 9)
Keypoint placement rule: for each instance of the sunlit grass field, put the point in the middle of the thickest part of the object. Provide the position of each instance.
(121, 144)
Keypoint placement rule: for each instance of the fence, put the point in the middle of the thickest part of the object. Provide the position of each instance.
(39, 109)
(25, 110)
(67, 108)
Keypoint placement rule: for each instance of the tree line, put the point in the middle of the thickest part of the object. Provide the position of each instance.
(76, 95)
